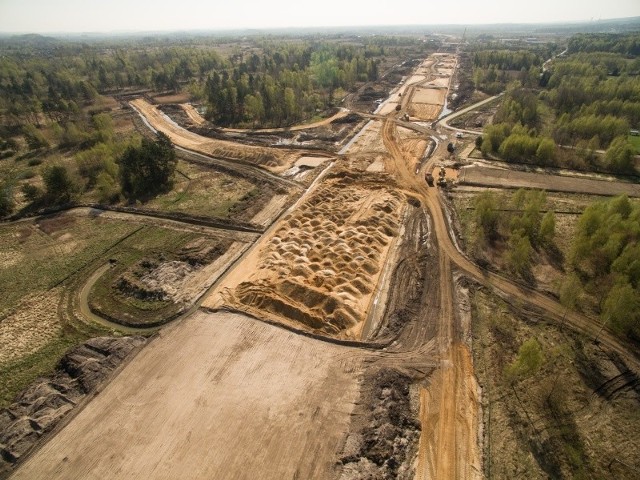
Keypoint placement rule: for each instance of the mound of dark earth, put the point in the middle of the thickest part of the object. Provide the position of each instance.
(384, 440)
(40, 407)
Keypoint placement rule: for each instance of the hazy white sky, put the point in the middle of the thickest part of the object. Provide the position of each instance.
(113, 15)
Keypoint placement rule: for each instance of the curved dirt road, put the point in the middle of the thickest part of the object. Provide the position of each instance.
(196, 118)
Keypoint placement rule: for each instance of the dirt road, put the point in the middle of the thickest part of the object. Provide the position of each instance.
(449, 407)
(275, 160)
(507, 178)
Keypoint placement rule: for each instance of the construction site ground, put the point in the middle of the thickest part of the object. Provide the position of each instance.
(337, 346)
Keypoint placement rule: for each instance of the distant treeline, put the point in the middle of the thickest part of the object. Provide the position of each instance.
(258, 80)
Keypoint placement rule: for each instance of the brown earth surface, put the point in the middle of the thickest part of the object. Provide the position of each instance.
(497, 177)
(276, 160)
(225, 384)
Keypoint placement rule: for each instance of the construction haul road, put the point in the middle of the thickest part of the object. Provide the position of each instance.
(223, 395)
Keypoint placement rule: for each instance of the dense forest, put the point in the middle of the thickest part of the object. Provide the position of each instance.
(265, 81)
(286, 84)
(585, 101)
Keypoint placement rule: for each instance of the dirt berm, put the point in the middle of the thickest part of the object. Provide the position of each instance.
(41, 407)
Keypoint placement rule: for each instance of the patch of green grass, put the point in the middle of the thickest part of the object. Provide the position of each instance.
(38, 255)
(17, 375)
(206, 193)
(635, 141)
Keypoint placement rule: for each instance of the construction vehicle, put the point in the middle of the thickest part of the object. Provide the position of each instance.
(442, 177)
(429, 178)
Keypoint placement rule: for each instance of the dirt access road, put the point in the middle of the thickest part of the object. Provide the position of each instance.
(273, 159)
(198, 119)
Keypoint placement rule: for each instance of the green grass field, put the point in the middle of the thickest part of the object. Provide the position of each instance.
(37, 255)
(205, 193)
(38, 261)
(635, 141)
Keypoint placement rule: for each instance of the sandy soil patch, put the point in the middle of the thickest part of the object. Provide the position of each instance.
(369, 141)
(320, 267)
(424, 111)
(376, 166)
(276, 160)
(34, 324)
(311, 162)
(271, 210)
(415, 79)
(387, 108)
(445, 71)
(429, 95)
(439, 82)
(193, 114)
(259, 402)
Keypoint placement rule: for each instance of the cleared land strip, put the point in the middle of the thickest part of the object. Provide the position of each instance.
(497, 177)
(273, 159)
(221, 383)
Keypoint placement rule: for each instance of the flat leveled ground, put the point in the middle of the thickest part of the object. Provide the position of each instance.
(282, 399)
(434, 96)
(490, 177)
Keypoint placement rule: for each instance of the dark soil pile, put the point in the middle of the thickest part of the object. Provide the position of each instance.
(40, 407)
(384, 444)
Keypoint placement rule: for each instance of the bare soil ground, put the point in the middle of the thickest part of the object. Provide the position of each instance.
(193, 114)
(434, 96)
(496, 177)
(254, 388)
(276, 160)
(38, 410)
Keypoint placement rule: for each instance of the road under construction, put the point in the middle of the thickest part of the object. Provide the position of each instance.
(269, 377)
